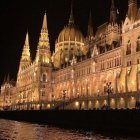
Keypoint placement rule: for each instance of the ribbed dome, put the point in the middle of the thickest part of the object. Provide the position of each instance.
(71, 33)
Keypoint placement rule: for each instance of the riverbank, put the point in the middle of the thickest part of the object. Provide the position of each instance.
(112, 121)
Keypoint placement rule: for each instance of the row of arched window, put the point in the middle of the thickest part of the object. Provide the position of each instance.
(128, 49)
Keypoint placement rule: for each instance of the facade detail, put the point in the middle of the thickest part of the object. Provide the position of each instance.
(101, 70)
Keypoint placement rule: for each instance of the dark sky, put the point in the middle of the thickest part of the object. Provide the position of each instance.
(16, 16)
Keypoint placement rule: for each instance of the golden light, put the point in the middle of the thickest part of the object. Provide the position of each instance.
(76, 103)
(97, 102)
(48, 105)
(132, 98)
(105, 102)
(83, 103)
(112, 101)
(90, 103)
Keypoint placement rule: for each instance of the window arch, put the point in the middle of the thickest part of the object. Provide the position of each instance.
(128, 49)
(138, 44)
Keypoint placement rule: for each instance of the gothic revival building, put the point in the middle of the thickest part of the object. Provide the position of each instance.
(83, 72)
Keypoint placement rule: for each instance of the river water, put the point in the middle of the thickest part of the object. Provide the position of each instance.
(14, 130)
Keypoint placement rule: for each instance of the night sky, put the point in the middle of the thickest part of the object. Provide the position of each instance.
(18, 16)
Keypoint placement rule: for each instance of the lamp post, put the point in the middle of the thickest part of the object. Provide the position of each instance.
(64, 96)
(109, 91)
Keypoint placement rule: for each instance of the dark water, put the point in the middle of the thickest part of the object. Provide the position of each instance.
(13, 130)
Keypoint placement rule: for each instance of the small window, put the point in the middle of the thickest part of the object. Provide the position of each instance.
(44, 78)
(128, 49)
(138, 45)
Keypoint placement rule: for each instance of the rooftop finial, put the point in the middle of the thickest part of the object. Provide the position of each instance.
(44, 25)
(90, 27)
(27, 39)
(71, 19)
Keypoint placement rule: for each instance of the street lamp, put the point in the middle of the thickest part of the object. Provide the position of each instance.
(109, 91)
(64, 96)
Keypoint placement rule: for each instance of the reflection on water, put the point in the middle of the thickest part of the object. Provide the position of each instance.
(13, 130)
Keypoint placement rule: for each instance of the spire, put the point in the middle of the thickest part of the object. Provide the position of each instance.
(26, 50)
(8, 78)
(44, 37)
(71, 19)
(113, 16)
(44, 25)
(132, 9)
(90, 27)
(27, 40)
(43, 50)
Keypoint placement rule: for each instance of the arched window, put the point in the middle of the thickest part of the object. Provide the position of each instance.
(128, 49)
(138, 44)
(44, 77)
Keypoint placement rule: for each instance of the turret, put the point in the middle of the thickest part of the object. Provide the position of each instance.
(43, 54)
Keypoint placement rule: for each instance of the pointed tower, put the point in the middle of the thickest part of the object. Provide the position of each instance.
(43, 54)
(71, 19)
(8, 78)
(113, 28)
(113, 14)
(90, 34)
(132, 10)
(25, 58)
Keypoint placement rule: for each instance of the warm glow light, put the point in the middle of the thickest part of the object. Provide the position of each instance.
(48, 106)
(105, 102)
(132, 98)
(76, 103)
(112, 100)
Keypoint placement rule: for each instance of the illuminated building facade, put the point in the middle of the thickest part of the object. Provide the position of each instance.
(83, 72)
(8, 90)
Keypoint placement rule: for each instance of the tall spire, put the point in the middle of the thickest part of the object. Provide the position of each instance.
(8, 78)
(71, 19)
(43, 50)
(90, 27)
(44, 37)
(26, 50)
(132, 9)
(113, 16)
(44, 25)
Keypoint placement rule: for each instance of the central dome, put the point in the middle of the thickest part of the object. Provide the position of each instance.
(69, 43)
(70, 33)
